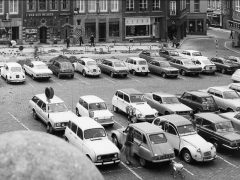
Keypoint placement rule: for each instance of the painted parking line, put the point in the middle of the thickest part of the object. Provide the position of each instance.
(227, 161)
(57, 82)
(132, 78)
(189, 172)
(82, 81)
(16, 119)
(132, 171)
(119, 124)
(30, 84)
(112, 81)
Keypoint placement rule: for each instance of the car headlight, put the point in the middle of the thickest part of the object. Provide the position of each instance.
(139, 115)
(116, 155)
(156, 114)
(213, 147)
(99, 158)
(57, 124)
(10, 77)
(238, 109)
(199, 150)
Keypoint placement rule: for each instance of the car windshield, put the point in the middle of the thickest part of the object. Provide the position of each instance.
(155, 55)
(134, 98)
(197, 54)
(16, 69)
(165, 64)
(94, 133)
(224, 126)
(97, 106)
(230, 95)
(186, 129)
(142, 62)
(173, 53)
(188, 63)
(42, 66)
(57, 107)
(170, 100)
(157, 138)
(119, 64)
(91, 63)
(66, 65)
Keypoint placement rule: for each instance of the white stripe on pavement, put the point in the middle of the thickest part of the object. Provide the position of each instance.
(189, 172)
(82, 81)
(18, 121)
(119, 124)
(109, 80)
(227, 161)
(31, 85)
(139, 177)
(57, 82)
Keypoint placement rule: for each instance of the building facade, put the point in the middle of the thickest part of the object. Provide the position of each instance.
(45, 21)
(101, 18)
(10, 20)
(144, 19)
(197, 17)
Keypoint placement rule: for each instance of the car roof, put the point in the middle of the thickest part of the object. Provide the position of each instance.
(146, 127)
(137, 58)
(163, 94)
(13, 64)
(38, 63)
(86, 123)
(221, 88)
(198, 93)
(159, 59)
(55, 99)
(175, 119)
(212, 117)
(91, 99)
(86, 59)
(130, 91)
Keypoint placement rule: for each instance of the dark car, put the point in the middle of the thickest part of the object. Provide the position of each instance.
(225, 66)
(113, 67)
(169, 54)
(217, 130)
(185, 66)
(162, 68)
(199, 101)
(61, 66)
(149, 56)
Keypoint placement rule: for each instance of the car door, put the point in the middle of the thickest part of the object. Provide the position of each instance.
(39, 110)
(103, 65)
(126, 102)
(44, 112)
(80, 142)
(205, 128)
(156, 103)
(73, 138)
(119, 101)
(52, 67)
(186, 99)
(81, 65)
(140, 146)
(4, 71)
(172, 135)
(84, 111)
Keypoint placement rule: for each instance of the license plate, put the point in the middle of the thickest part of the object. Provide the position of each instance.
(17, 76)
(143, 68)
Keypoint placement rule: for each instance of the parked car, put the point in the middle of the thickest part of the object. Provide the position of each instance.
(166, 103)
(199, 101)
(149, 56)
(236, 76)
(226, 99)
(234, 59)
(37, 70)
(206, 64)
(12, 72)
(87, 66)
(149, 143)
(137, 65)
(131, 102)
(163, 68)
(96, 108)
(113, 67)
(217, 130)
(61, 66)
(224, 66)
(54, 112)
(184, 139)
(91, 139)
(235, 87)
(169, 53)
(234, 117)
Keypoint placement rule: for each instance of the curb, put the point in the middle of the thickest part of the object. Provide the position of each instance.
(195, 37)
(230, 49)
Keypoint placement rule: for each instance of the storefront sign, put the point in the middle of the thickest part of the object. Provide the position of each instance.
(65, 14)
(137, 21)
(39, 14)
(234, 26)
(31, 31)
(31, 34)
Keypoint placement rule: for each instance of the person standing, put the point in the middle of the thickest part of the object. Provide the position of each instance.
(80, 40)
(68, 42)
(128, 145)
(92, 40)
(174, 41)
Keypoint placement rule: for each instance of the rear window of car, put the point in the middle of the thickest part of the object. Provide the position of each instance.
(142, 62)
(94, 133)
(197, 54)
(158, 138)
(66, 65)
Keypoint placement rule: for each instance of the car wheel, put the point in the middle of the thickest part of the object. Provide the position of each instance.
(142, 162)
(34, 114)
(72, 76)
(223, 71)
(111, 74)
(115, 109)
(84, 73)
(77, 112)
(7, 81)
(49, 128)
(146, 73)
(115, 140)
(164, 75)
(197, 111)
(216, 145)
(213, 73)
(186, 155)
(166, 113)
(125, 75)
(134, 72)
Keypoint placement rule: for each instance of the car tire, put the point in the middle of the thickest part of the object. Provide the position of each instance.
(84, 73)
(35, 116)
(49, 128)
(142, 162)
(164, 75)
(72, 76)
(115, 109)
(186, 155)
(115, 141)
(7, 81)
(125, 75)
(146, 74)
(134, 72)
(111, 74)
(77, 112)
(216, 145)
(223, 71)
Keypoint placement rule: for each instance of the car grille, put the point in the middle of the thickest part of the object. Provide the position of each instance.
(143, 68)
(149, 116)
(107, 157)
(208, 153)
(17, 76)
(104, 120)
(94, 70)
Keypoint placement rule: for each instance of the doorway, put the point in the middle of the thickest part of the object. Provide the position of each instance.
(102, 32)
(15, 33)
(43, 34)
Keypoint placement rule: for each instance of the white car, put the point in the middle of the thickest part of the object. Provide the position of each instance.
(87, 66)
(236, 76)
(96, 108)
(234, 117)
(137, 65)
(235, 87)
(131, 102)
(91, 139)
(13, 72)
(233, 59)
(184, 139)
(37, 70)
(54, 113)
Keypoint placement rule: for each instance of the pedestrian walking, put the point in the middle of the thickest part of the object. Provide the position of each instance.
(128, 145)
(68, 42)
(80, 40)
(231, 35)
(174, 41)
(92, 40)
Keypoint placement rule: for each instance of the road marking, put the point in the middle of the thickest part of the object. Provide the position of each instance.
(139, 177)
(226, 161)
(189, 172)
(109, 80)
(82, 81)
(135, 79)
(18, 121)
(31, 85)
(57, 82)
(225, 45)
(119, 124)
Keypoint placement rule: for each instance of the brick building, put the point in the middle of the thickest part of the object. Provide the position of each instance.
(47, 20)
(10, 20)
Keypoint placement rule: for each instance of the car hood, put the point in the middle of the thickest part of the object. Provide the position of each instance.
(102, 113)
(229, 115)
(200, 57)
(101, 146)
(170, 68)
(42, 71)
(144, 108)
(161, 149)
(197, 141)
(62, 116)
(232, 136)
(235, 102)
(177, 107)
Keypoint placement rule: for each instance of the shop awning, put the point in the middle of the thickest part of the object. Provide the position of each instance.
(233, 25)
(137, 21)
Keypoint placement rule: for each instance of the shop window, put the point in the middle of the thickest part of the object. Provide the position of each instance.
(42, 5)
(129, 5)
(143, 5)
(237, 5)
(114, 29)
(188, 5)
(53, 4)
(138, 30)
(196, 5)
(156, 5)
(90, 28)
(191, 26)
(30, 5)
(199, 25)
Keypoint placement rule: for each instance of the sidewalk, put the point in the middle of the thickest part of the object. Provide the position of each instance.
(228, 45)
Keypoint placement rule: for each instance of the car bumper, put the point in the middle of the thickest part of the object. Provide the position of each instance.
(209, 70)
(172, 75)
(16, 80)
(42, 76)
(206, 158)
(105, 121)
(230, 147)
(163, 160)
(66, 73)
(93, 73)
(193, 72)
(59, 128)
(108, 162)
